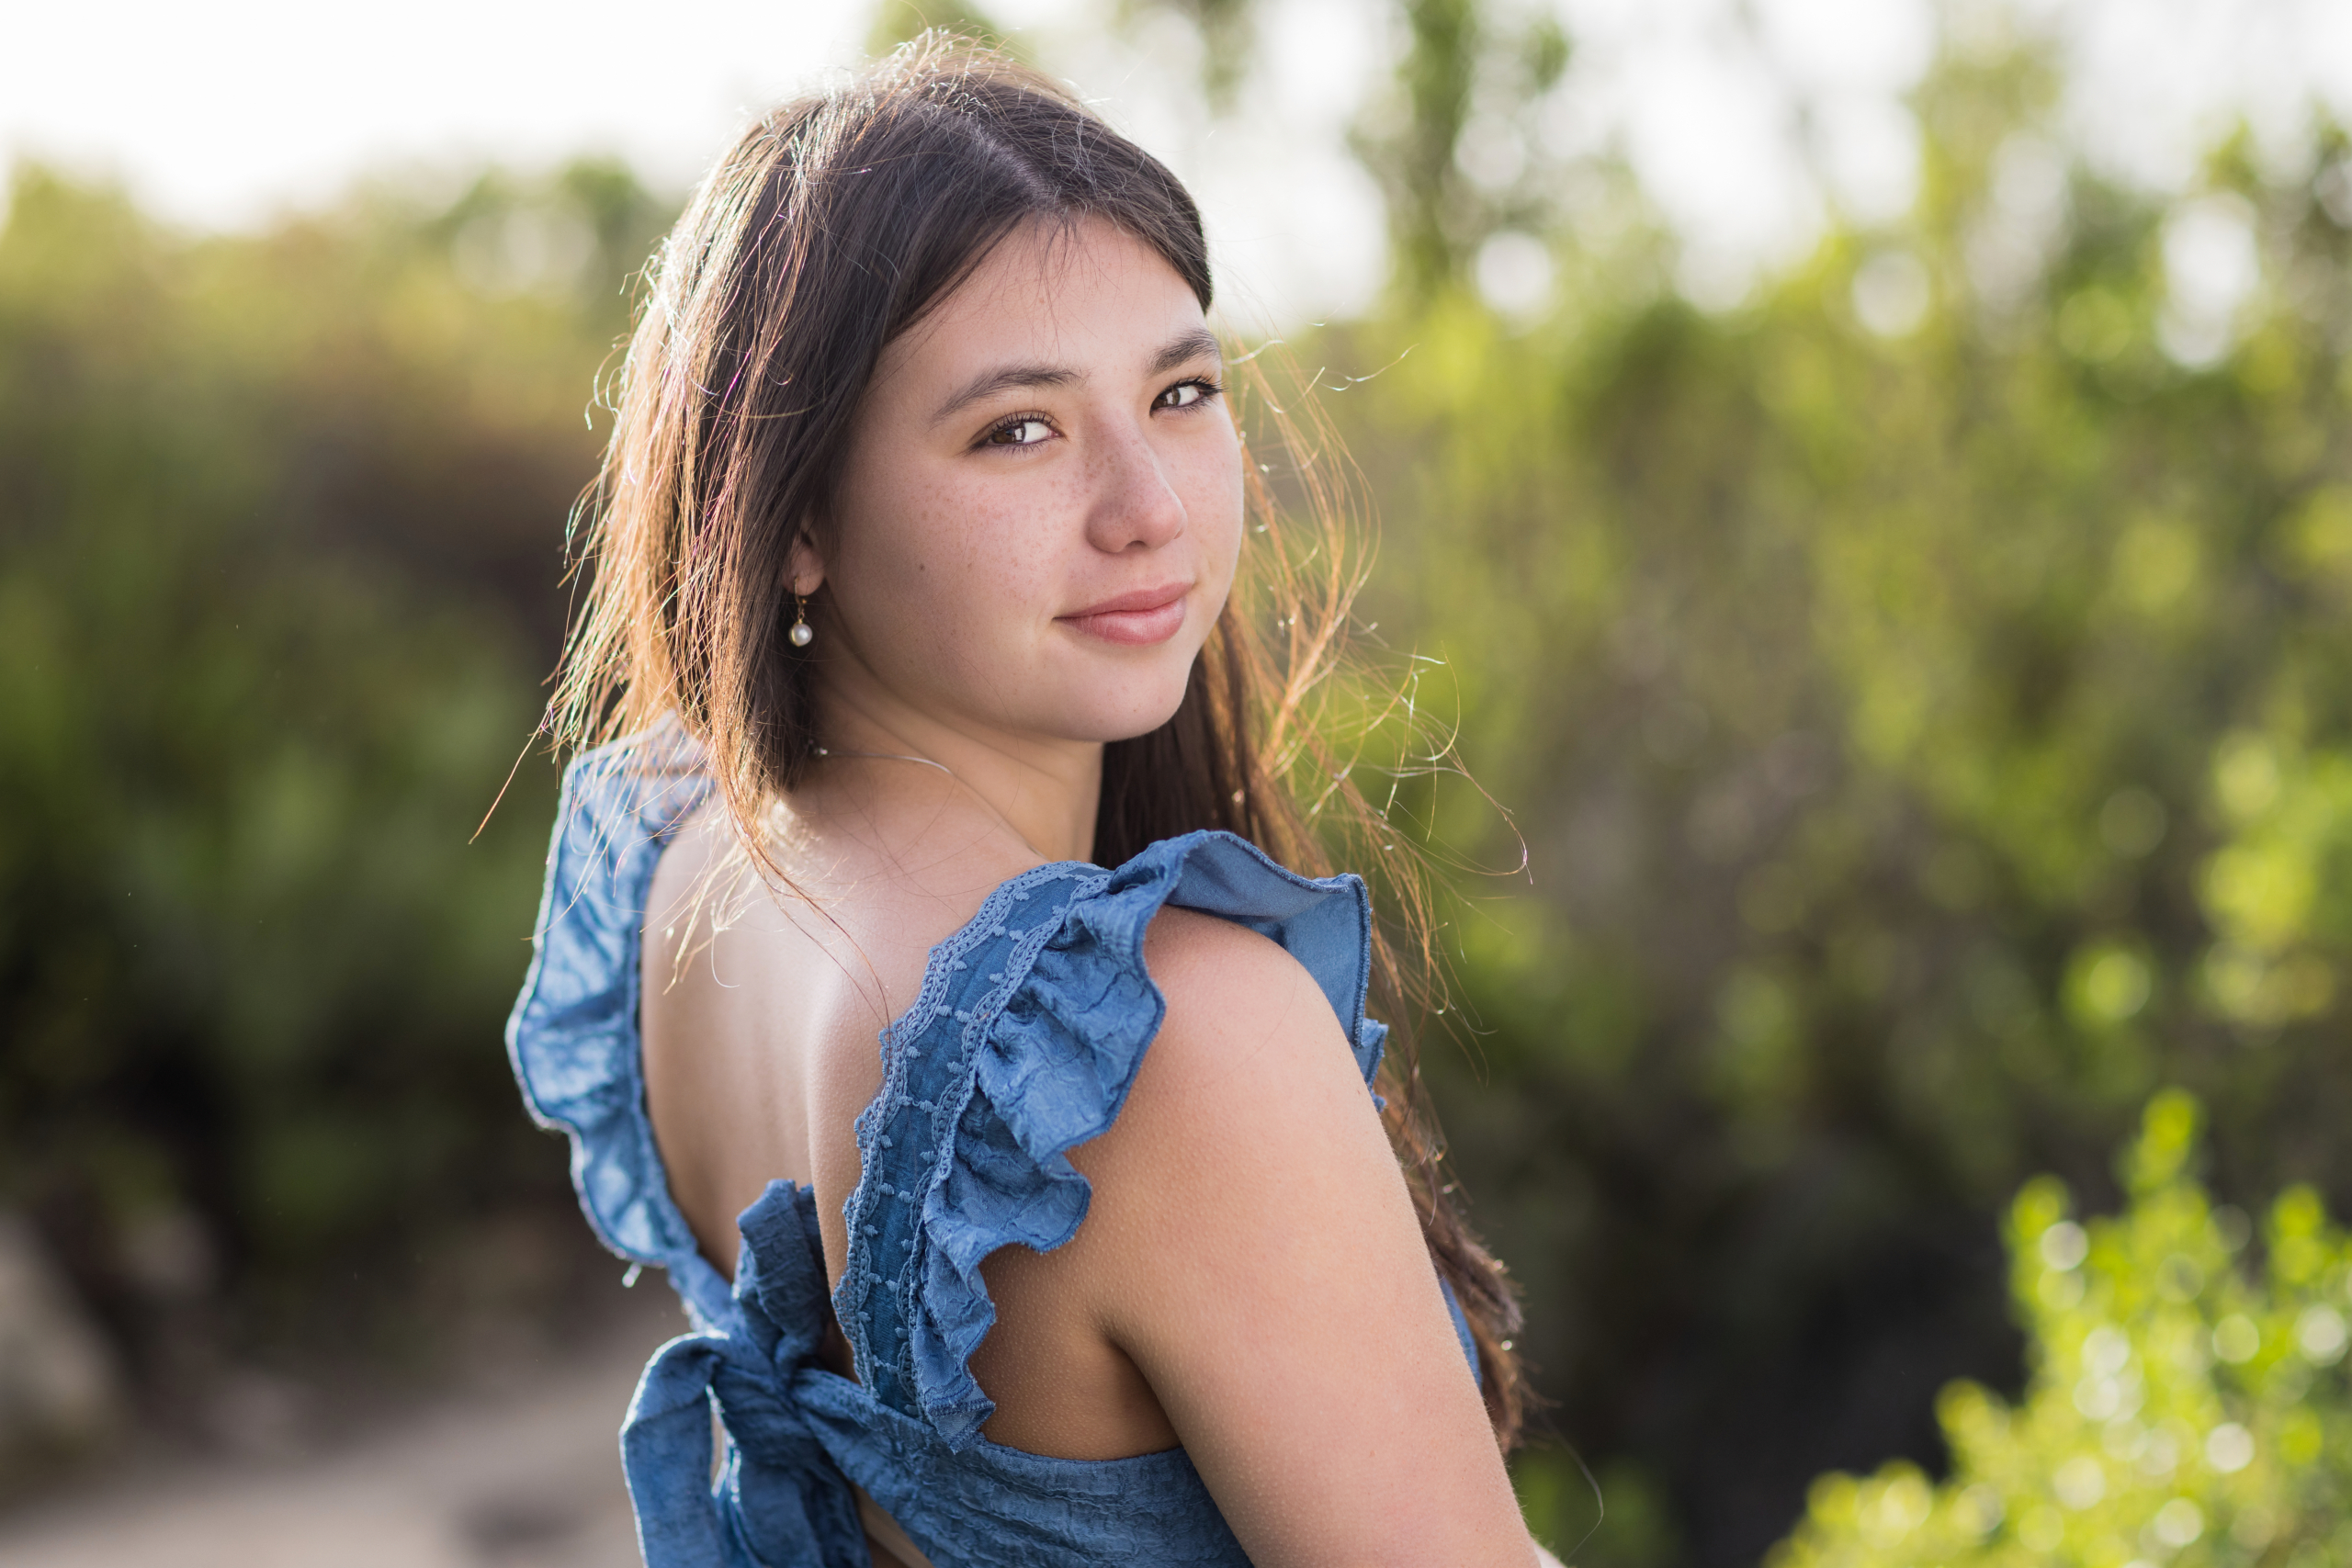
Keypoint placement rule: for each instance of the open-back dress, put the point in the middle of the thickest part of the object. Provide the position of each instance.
(1022, 1044)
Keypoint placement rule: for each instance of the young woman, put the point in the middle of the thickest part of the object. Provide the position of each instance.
(912, 572)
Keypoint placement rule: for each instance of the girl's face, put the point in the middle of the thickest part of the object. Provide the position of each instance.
(1041, 509)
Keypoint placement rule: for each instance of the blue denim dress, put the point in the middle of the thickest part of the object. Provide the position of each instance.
(1024, 1040)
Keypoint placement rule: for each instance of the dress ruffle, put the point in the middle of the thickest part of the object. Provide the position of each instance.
(573, 1037)
(1047, 1056)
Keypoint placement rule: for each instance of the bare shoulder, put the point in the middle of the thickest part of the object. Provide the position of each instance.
(1248, 1040)
(1249, 1085)
(1253, 1251)
(1213, 971)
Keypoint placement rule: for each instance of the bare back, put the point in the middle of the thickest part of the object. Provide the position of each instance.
(762, 1011)
(761, 1016)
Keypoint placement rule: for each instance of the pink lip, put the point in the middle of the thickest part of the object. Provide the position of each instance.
(1140, 618)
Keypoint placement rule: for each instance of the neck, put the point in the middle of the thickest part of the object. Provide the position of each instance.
(1046, 791)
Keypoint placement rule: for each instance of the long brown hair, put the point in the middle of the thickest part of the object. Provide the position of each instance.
(829, 228)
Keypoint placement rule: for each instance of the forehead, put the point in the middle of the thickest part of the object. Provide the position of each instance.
(1086, 294)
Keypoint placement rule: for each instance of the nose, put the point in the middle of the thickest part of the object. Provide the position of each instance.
(1135, 503)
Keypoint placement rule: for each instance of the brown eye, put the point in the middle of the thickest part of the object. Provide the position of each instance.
(1026, 431)
(1183, 394)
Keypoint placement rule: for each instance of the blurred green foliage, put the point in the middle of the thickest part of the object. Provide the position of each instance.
(1925, 695)
(277, 574)
(2181, 1409)
(1469, 78)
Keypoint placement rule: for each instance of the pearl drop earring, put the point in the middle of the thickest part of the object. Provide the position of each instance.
(802, 633)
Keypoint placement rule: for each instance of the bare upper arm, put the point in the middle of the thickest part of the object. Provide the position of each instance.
(1254, 1251)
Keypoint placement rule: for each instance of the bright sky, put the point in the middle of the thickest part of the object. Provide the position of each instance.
(217, 115)
(220, 112)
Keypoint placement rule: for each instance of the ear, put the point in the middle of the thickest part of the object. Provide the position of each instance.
(804, 570)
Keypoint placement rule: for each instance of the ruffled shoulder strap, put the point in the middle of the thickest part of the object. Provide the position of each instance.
(573, 1037)
(1023, 1044)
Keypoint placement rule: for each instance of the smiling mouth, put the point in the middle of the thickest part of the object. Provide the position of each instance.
(1138, 619)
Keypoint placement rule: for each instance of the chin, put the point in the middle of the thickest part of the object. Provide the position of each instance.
(1122, 710)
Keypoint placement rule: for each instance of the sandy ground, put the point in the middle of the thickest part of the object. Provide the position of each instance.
(522, 1476)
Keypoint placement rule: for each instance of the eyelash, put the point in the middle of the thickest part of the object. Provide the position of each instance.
(1210, 391)
(1209, 387)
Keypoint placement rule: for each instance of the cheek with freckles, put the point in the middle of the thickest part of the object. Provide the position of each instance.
(1214, 503)
(951, 588)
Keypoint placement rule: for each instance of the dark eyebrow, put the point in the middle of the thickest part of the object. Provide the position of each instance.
(988, 383)
(1185, 348)
(1180, 350)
